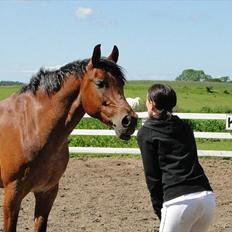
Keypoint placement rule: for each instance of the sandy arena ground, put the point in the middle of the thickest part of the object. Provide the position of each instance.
(110, 195)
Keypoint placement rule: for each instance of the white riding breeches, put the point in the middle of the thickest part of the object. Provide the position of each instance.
(188, 213)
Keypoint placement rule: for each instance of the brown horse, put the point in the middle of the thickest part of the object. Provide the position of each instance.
(36, 121)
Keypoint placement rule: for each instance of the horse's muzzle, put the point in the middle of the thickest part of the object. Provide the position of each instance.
(127, 126)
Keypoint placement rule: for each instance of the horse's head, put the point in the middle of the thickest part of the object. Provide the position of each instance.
(102, 93)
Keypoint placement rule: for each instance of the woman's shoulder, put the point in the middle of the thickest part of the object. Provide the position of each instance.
(143, 130)
(180, 121)
(183, 128)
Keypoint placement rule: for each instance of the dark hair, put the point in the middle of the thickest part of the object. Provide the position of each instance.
(164, 99)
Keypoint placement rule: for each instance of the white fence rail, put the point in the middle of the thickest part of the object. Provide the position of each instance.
(202, 135)
(143, 115)
(207, 116)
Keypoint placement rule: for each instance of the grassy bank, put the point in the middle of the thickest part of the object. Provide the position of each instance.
(6, 91)
(192, 97)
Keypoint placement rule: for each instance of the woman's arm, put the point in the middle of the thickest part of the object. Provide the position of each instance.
(152, 171)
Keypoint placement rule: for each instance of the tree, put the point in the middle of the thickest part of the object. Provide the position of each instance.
(193, 75)
(8, 83)
(225, 79)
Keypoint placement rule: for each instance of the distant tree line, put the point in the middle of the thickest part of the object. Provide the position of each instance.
(199, 75)
(8, 83)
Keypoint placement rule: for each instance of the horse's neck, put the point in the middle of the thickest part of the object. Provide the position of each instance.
(70, 108)
(62, 111)
(74, 115)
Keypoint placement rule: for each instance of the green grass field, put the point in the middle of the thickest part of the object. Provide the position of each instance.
(6, 91)
(192, 97)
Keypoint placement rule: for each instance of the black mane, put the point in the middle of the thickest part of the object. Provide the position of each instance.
(52, 81)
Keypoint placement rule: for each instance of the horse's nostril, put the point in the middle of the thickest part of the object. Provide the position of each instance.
(126, 121)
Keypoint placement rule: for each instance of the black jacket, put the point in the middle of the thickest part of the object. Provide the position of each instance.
(170, 160)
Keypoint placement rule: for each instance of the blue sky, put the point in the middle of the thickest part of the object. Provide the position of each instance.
(157, 40)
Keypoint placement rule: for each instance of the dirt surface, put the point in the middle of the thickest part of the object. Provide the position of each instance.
(109, 194)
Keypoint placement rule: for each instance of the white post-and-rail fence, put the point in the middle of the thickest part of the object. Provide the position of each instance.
(143, 115)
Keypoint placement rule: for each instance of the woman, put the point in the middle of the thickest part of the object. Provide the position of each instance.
(180, 192)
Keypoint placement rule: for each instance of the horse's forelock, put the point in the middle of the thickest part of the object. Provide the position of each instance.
(111, 67)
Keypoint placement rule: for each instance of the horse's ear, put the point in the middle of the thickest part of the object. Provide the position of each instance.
(114, 54)
(96, 55)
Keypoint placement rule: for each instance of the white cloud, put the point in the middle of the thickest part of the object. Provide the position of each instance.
(53, 68)
(83, 12)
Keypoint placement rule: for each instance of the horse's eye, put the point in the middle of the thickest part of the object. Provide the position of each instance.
(101, 84)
